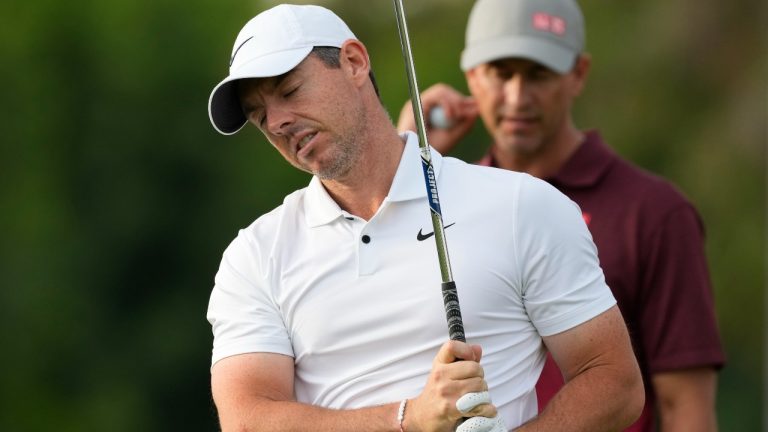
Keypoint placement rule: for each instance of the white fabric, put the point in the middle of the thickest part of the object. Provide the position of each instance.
(364, 321)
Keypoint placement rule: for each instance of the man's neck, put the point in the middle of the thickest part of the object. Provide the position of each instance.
(545, 163)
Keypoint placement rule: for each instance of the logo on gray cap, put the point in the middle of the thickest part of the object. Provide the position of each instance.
(549, 32)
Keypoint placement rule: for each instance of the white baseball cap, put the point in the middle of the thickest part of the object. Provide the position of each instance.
(549, 32)
(271, 44)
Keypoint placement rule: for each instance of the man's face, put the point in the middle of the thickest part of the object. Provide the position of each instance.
(312, 115)
(523, 104)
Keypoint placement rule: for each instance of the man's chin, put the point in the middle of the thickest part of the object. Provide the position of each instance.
(331, 171)
(524, 146)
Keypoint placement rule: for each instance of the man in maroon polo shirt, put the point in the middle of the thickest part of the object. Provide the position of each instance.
(525, 65)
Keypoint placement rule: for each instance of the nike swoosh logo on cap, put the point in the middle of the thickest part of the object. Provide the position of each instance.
(422, 237)
(232, 60)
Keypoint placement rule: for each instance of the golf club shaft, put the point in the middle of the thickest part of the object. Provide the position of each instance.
(450, 296)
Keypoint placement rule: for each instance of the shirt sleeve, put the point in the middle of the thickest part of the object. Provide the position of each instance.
(679, 327)
(243, 316)
(562, 282)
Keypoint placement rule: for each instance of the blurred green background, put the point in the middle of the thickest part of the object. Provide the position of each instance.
(118, 197)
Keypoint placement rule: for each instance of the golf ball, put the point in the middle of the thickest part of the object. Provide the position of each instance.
(438, 119)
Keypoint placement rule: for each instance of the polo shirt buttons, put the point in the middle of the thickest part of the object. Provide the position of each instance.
(366, 239)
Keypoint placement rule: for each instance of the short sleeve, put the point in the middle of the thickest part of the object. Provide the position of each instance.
(562, 282)
(679, 328)
(242, 312)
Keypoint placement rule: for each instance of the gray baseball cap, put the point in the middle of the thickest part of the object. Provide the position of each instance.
(549, 32)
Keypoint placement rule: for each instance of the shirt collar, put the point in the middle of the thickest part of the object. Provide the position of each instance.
(584, 168)
(409, 180)
(408, 184)
(588, 164)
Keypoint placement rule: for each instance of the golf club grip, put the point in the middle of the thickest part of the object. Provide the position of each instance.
(453, 312)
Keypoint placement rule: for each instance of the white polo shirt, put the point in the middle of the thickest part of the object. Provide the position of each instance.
(358, 303)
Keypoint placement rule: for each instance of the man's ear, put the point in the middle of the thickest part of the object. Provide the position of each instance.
(472, 80)
(580, 72)
(354, 60)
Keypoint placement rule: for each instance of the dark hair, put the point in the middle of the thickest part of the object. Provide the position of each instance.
(330, 56)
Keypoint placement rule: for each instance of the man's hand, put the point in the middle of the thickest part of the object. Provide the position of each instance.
(460, 111)
(483, 424)
(468, 403)
(456, 371)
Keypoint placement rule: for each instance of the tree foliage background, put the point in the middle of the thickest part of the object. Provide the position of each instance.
(118, 197)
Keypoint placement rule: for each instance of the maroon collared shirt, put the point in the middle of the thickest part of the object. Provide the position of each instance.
(650, 243)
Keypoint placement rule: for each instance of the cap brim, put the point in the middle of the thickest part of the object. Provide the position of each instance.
(224, 108)
(551, 55)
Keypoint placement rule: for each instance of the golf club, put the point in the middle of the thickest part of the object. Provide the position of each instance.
(450, 296)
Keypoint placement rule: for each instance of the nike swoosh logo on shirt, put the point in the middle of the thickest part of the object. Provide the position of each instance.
(422, 237)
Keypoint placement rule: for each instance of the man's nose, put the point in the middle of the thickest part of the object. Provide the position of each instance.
(516, 90)
(278, 119)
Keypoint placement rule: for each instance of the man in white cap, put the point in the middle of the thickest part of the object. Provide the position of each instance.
(326, 313)
(525, 64)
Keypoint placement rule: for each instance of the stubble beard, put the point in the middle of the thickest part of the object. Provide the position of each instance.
(346, 152)
(343, 159)
(522, 146)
